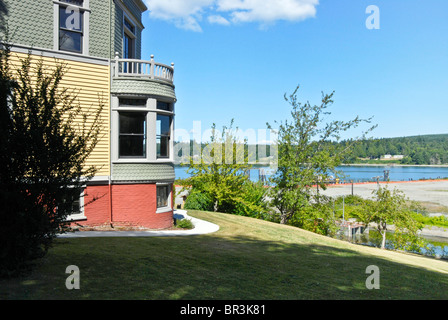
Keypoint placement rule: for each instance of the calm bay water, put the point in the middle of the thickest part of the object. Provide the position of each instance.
(365, 173)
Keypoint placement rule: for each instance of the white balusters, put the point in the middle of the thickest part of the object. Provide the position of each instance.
(142, 69)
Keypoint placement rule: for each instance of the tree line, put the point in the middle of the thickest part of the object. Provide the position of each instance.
(419, 150)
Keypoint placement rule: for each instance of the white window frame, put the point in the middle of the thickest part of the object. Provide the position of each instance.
(81, 214)
(169, 113)
(169, 207)
(86, 25)
(145, 134)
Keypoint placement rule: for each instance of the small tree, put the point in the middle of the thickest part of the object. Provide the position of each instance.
(219, 178)
(391, 208)
(307, 156)
(43, 152)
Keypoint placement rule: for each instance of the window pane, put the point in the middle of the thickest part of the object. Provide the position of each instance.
(163, 146)
(129, 26)
(70, 19)
(132, 122)
(163, 106)
(128, 47)
(70, 41)
(163, 125)
(133, 102)
(132, 146)
(76, 206)
(74, 2)
(132, 135)
(162, 196)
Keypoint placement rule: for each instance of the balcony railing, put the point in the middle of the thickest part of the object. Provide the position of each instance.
(142, 69)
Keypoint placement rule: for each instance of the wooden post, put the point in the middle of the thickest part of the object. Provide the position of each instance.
(152, 67)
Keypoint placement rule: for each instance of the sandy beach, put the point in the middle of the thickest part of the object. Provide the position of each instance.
(430, 191)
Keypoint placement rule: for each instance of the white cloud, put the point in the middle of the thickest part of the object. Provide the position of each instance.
(217, 19)
(184, 13)
(268, 11)
(187, 14)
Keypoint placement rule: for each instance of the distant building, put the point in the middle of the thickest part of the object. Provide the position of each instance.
(100, 42)
(392, 157)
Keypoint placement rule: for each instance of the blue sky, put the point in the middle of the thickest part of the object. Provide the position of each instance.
(237, 58)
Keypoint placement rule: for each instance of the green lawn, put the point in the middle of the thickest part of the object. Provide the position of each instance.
(245, 259)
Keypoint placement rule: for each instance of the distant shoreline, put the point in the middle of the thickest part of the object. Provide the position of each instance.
(393, 165)
(365, 165)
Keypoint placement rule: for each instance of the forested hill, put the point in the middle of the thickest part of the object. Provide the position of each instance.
(426, 149)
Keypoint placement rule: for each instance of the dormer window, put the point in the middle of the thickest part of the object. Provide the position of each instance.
(72, 25)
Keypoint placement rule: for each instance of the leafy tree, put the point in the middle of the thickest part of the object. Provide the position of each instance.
(390, 208)
(218, 178)
(42, 158)
(306, 158)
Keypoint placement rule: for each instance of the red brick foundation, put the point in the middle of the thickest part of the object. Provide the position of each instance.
(124, 205)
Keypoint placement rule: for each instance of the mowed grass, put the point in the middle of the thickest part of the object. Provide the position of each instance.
(245, 259)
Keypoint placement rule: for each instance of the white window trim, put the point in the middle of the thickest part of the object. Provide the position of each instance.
(81, 215)
(170, 194)
(86, 26)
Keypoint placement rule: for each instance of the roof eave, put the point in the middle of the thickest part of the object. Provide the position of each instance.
(141, 5)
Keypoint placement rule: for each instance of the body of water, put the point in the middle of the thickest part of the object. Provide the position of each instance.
(364, 173)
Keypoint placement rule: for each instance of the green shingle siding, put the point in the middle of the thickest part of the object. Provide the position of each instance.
(142, 87)
(148, 172)
(117, 32)
(30, 22)
(99, 38)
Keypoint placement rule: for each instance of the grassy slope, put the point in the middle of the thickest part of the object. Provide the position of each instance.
(245, 259)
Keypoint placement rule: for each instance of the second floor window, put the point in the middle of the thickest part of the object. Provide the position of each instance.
(71, 26)
(132, 136)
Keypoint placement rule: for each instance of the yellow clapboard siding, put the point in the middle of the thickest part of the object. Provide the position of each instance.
(90, 83)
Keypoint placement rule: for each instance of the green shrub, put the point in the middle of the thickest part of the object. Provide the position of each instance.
(199, 201)
(252, 203)
(440, 221)
(184, 224)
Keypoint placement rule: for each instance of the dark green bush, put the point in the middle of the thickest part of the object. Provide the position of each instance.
(199, 201)
(184, 223)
